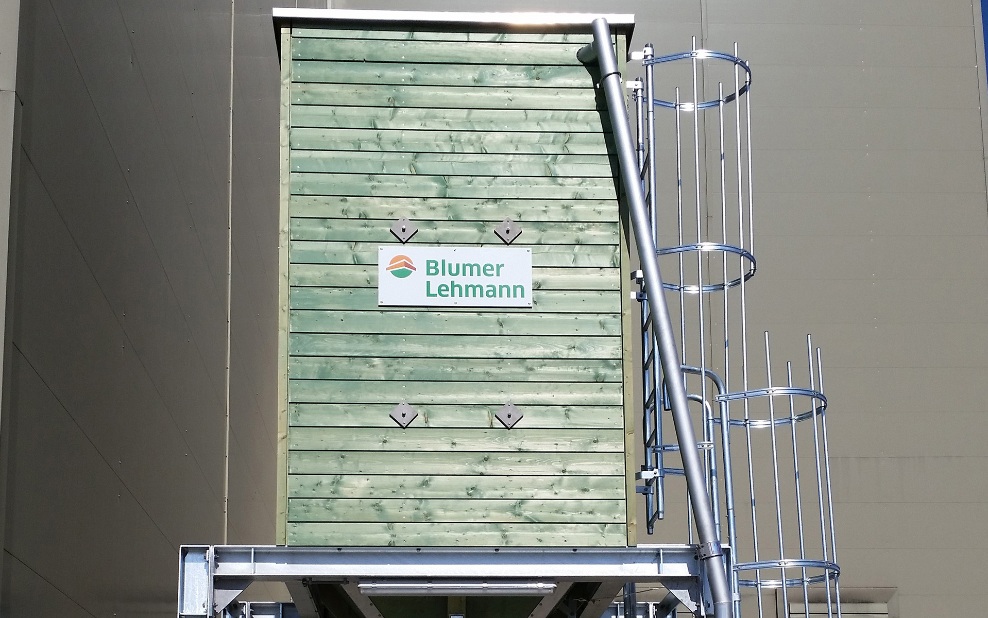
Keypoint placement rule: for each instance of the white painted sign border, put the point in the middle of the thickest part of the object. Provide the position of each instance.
(429, 276)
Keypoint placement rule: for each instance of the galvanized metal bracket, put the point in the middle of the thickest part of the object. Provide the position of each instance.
(708, 550)
(688, 593)
(403, 229)
(507, 231)
(226, 590)
(404, 414)
(195, 582)
(509, 415)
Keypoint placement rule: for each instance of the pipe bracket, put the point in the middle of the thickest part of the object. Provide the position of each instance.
(709, 550)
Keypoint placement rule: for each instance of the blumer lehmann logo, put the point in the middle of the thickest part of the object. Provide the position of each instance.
(401, 266)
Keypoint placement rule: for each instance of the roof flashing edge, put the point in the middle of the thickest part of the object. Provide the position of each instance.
(285, 16)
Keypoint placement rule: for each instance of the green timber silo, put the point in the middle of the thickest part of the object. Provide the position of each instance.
(462, 129)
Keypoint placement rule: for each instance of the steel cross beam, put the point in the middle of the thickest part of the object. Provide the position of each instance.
(211, 577)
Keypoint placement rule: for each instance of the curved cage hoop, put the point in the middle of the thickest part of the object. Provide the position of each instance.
(811, 573)
(817, 405)
(703, 54)
(748, 265)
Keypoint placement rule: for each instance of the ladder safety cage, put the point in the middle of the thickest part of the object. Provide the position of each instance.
(695, 167)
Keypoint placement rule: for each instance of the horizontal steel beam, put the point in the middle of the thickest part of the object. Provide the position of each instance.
(205, 570)
(641, 563)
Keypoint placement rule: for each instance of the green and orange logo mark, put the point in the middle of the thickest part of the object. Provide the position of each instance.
(401, 266)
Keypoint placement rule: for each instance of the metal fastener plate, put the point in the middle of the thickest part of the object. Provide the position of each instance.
(507, 231)
(404, 414)
(509, 415)
(403, 229)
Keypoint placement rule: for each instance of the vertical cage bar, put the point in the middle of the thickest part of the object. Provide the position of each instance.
(830, 497)
(799, 499)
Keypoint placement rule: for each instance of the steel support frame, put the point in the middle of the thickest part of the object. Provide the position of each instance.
(212, 576)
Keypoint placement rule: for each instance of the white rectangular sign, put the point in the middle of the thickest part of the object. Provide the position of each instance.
(423, 276)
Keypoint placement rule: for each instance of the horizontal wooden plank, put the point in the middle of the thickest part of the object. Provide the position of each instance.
(544, 301)
(512, 465)
(445, 34)
(460, 416)
(453, 209)
(418, 140)
(396, 185)
(365, 275)
(443, 510)
(459, 370)
(456, 440)
(455, 164)
(454, 346)
(456, 534)
(543, 256)
(456, 232)
(508, 487)
(450, 52)
(442, 97)
(448, 393)
(454, 416)
(490, 75)
(449, 119)
(451, 323)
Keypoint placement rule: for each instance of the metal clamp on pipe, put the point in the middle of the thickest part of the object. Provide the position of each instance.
(709, 550)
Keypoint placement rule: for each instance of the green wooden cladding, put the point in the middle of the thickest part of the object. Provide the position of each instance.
(455, 130)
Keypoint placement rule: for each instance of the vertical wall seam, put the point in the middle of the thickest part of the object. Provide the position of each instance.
(980, 54)
(229, 284)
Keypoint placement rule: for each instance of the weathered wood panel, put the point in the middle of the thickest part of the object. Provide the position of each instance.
(477, 416)
(360, 276)
(446, 392)
(451, 53)
(397, 185)
(545, 122)
(483, 487)
(493, 75)
(308, 464)
(456, 130)
(457, 164)
(453, 209)
(401, 140)
(430, 322)
(477, 97)
(455, 232)
(545, 301)
(456, 440)
(454, 346)
(466, 534)
(452, 511)
(543, 256)
(461, 370)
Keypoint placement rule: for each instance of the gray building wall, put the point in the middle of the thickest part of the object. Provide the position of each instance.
(115, 411)
(871, 233)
